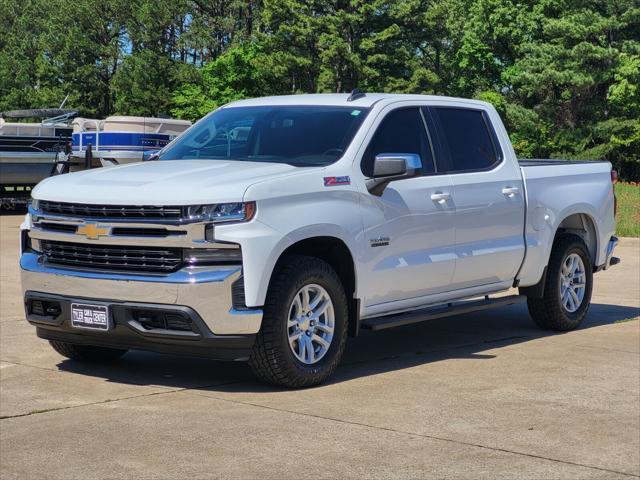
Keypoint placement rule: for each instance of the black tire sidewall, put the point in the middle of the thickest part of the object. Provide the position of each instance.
(272, 359)
(336, 293)
(577, 246)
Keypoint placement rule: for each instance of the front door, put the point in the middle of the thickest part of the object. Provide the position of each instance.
(408, 239)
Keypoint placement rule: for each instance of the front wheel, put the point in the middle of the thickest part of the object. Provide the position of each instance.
(568, 286)
(304, 327)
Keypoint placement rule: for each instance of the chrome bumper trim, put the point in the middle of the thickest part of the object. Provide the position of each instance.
(610, 260)
(613, 242)
(207, 290)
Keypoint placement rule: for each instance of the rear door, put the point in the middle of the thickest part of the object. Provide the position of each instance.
(488, 196)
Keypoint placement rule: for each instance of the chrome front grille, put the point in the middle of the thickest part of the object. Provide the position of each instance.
(112, 257)
(110, 211)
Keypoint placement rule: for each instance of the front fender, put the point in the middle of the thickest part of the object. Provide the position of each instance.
(265, 272)
(290, 209)
(261, 246)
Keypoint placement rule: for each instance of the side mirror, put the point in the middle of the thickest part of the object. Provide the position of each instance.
(388, 167)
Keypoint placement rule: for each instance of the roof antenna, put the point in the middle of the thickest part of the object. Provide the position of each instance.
(355, 95)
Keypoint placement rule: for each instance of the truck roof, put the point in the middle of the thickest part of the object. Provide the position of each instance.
(340, 99)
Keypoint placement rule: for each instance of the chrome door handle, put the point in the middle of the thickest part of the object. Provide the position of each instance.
(510, 191)
(440, 197)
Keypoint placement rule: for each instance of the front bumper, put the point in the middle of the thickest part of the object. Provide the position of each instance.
(128, 332)
(206, 291)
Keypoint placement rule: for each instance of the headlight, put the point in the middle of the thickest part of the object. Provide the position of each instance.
(222, 212)
(34, 204)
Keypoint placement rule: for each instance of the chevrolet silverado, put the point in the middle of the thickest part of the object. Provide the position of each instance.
(274, 228)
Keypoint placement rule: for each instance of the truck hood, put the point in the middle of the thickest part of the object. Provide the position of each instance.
(178, 182)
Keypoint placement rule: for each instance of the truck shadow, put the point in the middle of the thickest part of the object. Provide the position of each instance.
(461, 337)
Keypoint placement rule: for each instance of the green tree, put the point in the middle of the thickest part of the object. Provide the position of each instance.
(54, 48)
(562, 73)
(234, 75)
(567, 71)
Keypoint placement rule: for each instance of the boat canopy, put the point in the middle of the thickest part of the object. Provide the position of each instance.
(119, 123)
(23, 129)
(44, 113)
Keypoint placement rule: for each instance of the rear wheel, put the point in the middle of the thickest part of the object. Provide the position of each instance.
(304, 327)
(86, 353)
(568, 286)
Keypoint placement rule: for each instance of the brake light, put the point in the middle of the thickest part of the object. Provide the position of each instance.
(614, 177)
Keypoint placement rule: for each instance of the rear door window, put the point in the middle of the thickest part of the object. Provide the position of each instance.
(466, 139)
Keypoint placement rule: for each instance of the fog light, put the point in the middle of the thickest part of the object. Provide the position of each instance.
(53, 309)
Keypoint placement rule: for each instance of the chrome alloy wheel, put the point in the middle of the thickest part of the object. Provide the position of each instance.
(572, 282)
(310, 324)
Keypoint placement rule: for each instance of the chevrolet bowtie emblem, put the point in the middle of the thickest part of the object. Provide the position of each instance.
(92, 231)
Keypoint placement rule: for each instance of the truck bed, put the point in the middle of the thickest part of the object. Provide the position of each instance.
(555, 190)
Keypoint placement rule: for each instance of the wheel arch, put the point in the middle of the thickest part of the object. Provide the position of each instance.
(336, 253)
(584, 226)
(578, 223)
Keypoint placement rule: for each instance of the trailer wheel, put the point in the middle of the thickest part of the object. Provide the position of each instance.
(568, 286)
(304, 327)
(86, 353)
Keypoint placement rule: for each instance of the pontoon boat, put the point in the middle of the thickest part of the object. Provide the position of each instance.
(121, 139)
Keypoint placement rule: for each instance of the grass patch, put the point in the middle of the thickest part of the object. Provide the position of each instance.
(628, 216)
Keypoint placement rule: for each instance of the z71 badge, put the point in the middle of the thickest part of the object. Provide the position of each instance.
(336, 181)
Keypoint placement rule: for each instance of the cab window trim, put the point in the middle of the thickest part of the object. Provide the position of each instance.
(429, 139)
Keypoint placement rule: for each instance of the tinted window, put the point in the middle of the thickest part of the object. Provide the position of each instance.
(466, 139)
(301, 136)
(401, 131)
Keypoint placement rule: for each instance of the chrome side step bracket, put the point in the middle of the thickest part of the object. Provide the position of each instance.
(440, 311)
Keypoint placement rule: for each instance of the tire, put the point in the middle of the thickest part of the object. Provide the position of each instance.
(273, 359)
(549, 312)
(86, 353)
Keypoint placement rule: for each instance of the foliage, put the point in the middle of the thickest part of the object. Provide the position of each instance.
(234, 75)
(564, 74)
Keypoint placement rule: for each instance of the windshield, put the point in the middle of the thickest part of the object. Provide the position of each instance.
(297, 135)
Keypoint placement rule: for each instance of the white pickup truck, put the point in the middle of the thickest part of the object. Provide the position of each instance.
(274, 228)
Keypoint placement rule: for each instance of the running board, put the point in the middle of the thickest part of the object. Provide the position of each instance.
(441, 311)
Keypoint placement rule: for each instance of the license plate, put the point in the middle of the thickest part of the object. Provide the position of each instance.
(95, 317)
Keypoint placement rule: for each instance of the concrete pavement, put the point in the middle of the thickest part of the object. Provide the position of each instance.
(485, 395)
